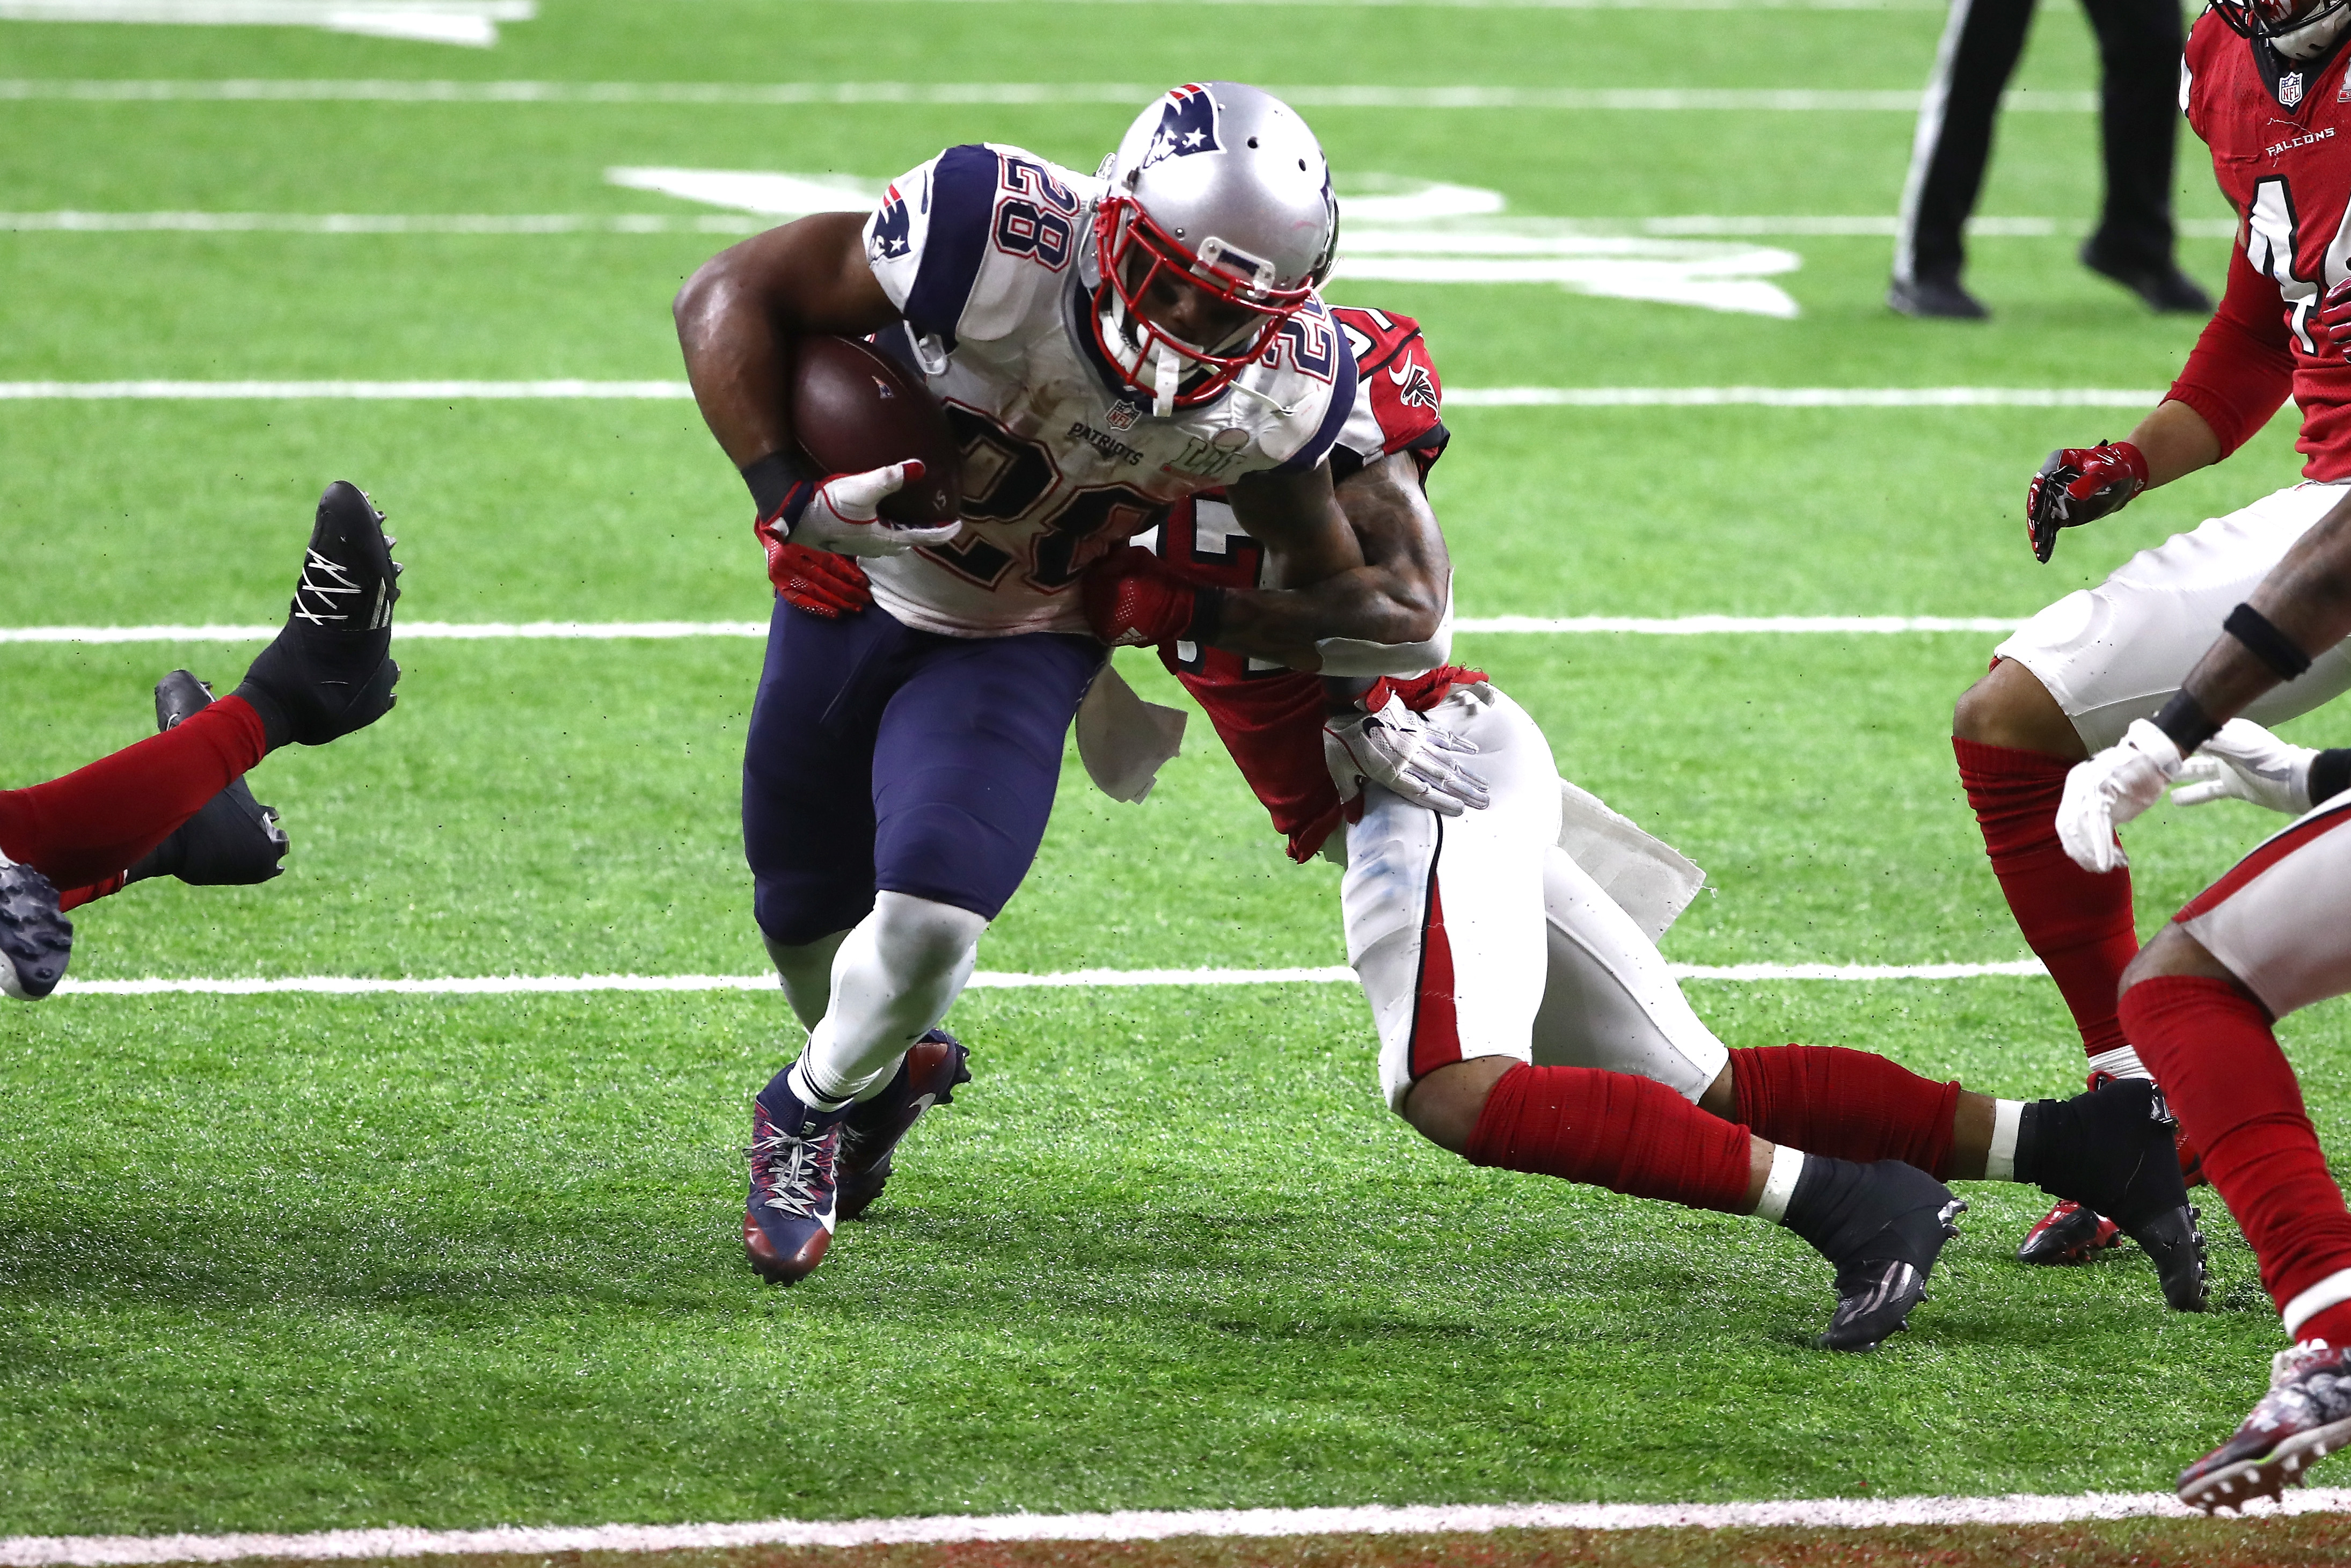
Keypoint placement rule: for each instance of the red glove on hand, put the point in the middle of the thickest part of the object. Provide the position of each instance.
(1132, 600)
(818, 581)
(2331, 322)
(2080, 485)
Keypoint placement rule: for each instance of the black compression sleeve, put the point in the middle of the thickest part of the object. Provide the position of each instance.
(772, 479)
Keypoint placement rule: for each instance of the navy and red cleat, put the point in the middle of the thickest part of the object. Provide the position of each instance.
(2305, 1416)
(795, 1197)
(928, 1076)
(35, 940)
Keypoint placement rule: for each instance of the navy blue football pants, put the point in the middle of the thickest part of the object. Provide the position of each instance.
(881, 757)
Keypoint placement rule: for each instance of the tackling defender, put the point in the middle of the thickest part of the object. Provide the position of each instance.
(2265, 86)
(2271, 937)
(1525, 1019)
(176, 804)
(1104, 347)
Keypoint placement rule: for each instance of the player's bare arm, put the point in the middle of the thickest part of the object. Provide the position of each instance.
(1396, 597)
(738, 315)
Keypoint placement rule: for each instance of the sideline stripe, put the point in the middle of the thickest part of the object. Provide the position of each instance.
(1827, 1513)
(983, 980)
(1460, 397)
(658, 631)
(1127, 95)
(1697, 226)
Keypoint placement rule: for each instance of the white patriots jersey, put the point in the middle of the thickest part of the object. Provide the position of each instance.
(988, 253)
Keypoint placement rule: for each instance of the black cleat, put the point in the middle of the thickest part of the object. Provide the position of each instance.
(2305, 1416)
(2123, 1161)
(2161, 285)
(1883, 1226)
(928, 1077)
(331, 670)
(35, 941)
(235, 840)
(1934, 299)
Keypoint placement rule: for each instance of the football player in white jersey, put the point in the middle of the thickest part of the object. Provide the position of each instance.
(1103, 346)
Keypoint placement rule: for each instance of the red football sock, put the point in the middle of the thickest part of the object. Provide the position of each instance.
(1848, 1104)
(2211, 1048)
(92, 825)
(2077, 922)
(1612, 1130)
(73, 898)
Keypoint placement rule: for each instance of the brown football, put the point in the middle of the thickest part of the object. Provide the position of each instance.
(855, 408)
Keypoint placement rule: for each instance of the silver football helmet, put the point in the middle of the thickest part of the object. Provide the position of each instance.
(1223, 187)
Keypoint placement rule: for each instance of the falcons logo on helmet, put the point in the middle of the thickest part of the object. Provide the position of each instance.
(1188, 124)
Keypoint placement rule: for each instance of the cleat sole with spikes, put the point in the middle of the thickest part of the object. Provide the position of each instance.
(35, 940)
(2240, 1480)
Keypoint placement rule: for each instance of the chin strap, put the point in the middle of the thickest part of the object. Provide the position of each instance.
(1165, 377)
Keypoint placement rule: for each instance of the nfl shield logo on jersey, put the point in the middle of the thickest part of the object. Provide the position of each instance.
(1121, 415)
(1188, 124)
(2290, 89)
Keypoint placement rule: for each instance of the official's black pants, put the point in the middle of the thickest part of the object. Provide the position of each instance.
(2139, 43)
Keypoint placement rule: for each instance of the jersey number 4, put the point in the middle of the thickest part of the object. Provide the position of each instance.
(2273, 244)
(1008, 480)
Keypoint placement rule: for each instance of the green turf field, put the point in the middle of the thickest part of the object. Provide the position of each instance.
(291, 1262)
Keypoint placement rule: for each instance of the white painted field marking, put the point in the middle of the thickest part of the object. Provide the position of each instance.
(73, 221)
(1458, 397)
(983, 980)
(1826, 1513)
(1656, 101)
(471, 23)
(666, 630)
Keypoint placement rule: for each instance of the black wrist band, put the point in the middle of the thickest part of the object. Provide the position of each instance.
(2183, 718)
(772, 479)
(2265, 642)
(2330, 774)
(1208, 616)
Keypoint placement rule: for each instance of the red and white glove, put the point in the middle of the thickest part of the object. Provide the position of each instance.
(2112, 788)
(812, 579)
(1134, 600)
(1401, 751)
(841, 514)
(2080, 485)
(2330, 324)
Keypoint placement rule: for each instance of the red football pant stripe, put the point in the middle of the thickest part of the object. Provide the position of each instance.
(1435, 1024)
(2077, 922)
(96, 821)
(1848, 1104)
(1612, 1130)
(2211, 1048)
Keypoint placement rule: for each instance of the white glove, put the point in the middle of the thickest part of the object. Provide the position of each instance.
(2246, 762)
(1400, 750)
(2111, 789)
(844, 516)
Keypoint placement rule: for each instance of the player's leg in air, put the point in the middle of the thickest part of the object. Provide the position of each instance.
(327, 673)
(1526, 1022)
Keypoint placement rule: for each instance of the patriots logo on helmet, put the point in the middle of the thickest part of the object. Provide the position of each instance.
(1188, 124)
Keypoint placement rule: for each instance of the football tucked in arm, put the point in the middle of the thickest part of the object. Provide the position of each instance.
(855, 409)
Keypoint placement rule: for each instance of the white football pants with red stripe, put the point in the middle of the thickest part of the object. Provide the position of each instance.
(1477, 936)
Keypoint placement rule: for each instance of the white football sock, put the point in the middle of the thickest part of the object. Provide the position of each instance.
(896, 975)
(1780, 1186)
(2121, 1062)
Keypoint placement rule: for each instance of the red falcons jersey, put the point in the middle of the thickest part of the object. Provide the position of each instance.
(2280, 133)
(1269, 715)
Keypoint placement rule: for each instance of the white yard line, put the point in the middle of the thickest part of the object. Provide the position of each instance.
(664, 631)
(1696, 226)
(1667, 100)
(1459, 397)
(1828, 1513)
(984, 980)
